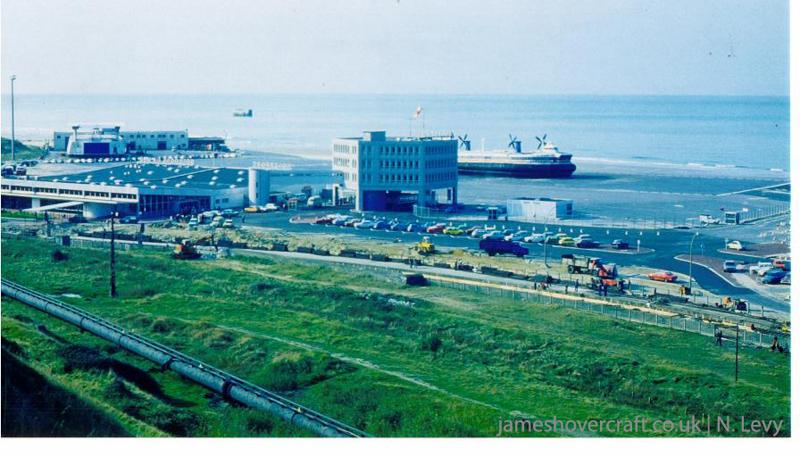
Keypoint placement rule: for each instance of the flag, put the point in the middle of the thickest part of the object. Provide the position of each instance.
(418, 112)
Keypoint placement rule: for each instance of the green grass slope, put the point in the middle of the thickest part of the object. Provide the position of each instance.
(398, 361)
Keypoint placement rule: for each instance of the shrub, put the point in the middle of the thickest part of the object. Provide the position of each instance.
(59, 256)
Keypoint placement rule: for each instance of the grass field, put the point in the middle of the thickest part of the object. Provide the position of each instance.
(391, 360)
(22, 151)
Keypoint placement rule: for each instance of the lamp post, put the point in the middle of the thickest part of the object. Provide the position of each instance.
(690, 260)
(544, 246)
(113, 258)
(13, 138)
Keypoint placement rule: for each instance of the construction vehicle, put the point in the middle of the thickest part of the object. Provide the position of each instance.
(425, 246)
(735, 304)
(609, 283)
(187, 249)
(588, 265)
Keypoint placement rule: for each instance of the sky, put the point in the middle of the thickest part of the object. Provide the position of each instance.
(560, 47)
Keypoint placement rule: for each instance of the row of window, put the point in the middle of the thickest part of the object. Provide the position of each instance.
(432, 177)
(344, 148)
(52, 190)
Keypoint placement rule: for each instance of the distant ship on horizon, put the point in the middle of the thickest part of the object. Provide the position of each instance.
(544, 162)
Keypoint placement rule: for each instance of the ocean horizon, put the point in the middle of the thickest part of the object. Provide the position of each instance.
(711, 131)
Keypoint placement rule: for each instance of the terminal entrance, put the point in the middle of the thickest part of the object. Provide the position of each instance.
(388, 201)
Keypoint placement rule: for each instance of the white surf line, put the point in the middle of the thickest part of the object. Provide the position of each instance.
(773, 186)
(709, 269)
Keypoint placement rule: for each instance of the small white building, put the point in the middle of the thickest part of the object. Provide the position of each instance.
(394, 173)
(134, 140)
(538, 209)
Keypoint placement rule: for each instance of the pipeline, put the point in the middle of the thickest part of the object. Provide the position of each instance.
(208, 376)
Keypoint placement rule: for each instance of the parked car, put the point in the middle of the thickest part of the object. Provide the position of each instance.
(500, 246)
(397, 226)
(381, 225)
(760, 268)
(323, 220)
(477, 233)
(341, 221)
(269, 207)
(365, 224)
(620, 244)
(437, 228)
(413, 228)
(729, 266)
(773, 276)
(228, 224)
(452, 231)
(493, 235)
(470, 230)
(583, 236)
(735, 245)
(534, 238)
(783, 264)
(129, 220)
(586, 243)
(566, 241)
(518, 236)
(663, 276)
(227, 213)
(351, 222)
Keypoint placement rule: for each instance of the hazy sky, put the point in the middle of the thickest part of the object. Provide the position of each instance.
(397, 46)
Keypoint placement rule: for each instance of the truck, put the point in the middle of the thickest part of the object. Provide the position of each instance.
(500, 246)
(577, 264)
(708, 219)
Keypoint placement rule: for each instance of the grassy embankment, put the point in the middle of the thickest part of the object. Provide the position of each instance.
(405, 249)
(22, 151)
(391, 360)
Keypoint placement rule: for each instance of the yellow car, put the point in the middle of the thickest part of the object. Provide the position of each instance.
(252, 209)
(452, 231)
(566, 241)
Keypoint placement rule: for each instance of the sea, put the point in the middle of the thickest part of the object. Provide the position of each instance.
(653, 157)
(683, 131)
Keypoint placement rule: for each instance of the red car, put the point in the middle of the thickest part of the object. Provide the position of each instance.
(438, 228)
(324, 220)
(664, 276)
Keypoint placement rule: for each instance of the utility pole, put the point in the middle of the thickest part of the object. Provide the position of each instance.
(690, 260)
(113, 277)
(544, 246)
(736, 376)
(13, 137)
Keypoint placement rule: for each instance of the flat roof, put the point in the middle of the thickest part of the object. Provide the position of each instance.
(145, 176)
(542, 199)
(400, 138)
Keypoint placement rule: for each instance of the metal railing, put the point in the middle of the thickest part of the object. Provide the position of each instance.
(206, 375)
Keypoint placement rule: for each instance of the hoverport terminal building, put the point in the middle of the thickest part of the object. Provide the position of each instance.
(139, 189)
(395, 173)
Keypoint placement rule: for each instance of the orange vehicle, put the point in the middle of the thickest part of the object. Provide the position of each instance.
(663, 276)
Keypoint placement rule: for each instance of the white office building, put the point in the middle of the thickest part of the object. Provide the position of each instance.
(395, 173)
(539, 209)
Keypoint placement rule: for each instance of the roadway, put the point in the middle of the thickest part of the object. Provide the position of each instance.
(659, 247)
